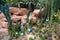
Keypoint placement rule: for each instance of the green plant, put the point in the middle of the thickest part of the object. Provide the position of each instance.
(55, 18)
(40, 24)
(30, 38)
(25, 27)
(11, 2)
(56, 5)
(42, 38)
(31, 22)
(15, 30)
(47, 31)
(5, 9)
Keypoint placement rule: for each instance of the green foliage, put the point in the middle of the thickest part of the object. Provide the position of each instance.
(55, 18)
(10, 2)
(31, 22)
(25, 27)
(47, 31)
(30, 38)
(40, 24)
(15, 30)
(5, 9)
(42, 38)
(28, 14)
(56, 5)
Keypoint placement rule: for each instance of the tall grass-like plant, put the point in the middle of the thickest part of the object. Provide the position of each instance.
(5, 9)
(11, 2)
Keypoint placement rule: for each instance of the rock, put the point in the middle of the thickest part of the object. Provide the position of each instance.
(34, 19)
(5, 25)
(31, 16)
(3, 30)
(14, 10)
(43, 9)
(0, 24)
(4, 20)
(43, 29)
(34, 27)
(15, 18)
(4, 34)
(18, 11)
(23, 19)
(23, 11)
(36, 11)
(2, 16)
(6, 37)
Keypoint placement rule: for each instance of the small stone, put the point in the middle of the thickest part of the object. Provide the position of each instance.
(22, 33)
(16, 33)
(5, 25)
(29, 30)
(47, 20)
